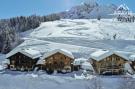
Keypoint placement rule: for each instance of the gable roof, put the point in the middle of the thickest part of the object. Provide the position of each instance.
(62, 51)
(123, 7)
(101, 54)
(28, 52)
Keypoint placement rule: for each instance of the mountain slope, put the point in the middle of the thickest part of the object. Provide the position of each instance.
(81, 36)
(106, 29)
(89, 11)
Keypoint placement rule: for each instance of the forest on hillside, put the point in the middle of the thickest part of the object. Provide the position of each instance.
(10, 29)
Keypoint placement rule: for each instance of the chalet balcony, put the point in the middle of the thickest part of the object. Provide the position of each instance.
(112, 67)
(111, 70)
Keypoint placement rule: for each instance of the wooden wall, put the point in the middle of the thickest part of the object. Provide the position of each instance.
(113, 63)
(22, 62)
(58, 62)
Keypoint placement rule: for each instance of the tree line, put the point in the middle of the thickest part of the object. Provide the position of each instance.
(11, 28)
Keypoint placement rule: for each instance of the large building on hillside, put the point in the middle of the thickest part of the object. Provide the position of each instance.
(124, 14)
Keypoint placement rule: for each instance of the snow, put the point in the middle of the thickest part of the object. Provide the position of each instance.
(34, 75)
(41, 61)
(2, 58)
(101, 54)
(79, 61)
(47, 46)
(132, 57)
(84, 28)
(123, 10)
(28, 81)
(123, 7)
(1, 67)
(83, 77)
(87, 66)
(98, 54)
(80, 37)
(6, 61)
(89, 9)
(63, 51)
(128, 68)
(27, 51)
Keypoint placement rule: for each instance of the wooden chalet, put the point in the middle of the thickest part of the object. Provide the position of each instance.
(108, 62)
(58, 60)
(23, 59)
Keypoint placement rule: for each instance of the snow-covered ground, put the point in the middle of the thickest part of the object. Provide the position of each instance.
(93, 29)
(2, 58)
(43, 81)
(81, 37)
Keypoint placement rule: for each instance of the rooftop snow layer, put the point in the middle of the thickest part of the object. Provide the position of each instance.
(28, 51)
(79, 61)
(101, 54)
(63, 51)
(123, 7)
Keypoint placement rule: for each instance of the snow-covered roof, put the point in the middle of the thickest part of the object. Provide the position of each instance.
(123, 7)
(87, 65)
(41, 61)
(132, 57)
(63, 51)
(79, 61)
(123, 10)
(28, 52)
(101, 54)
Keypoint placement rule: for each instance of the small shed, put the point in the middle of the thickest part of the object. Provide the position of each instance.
(108, 62)
(58, 60)
(23, 59)
(78, 62)
(87, 66)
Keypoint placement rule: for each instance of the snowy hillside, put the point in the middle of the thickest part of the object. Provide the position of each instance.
(106, 29)
(81, 36)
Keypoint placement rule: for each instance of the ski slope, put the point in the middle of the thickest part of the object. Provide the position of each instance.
(106, 29)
